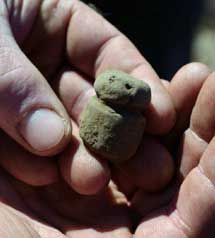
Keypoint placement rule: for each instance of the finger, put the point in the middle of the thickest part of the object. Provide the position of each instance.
(184, 89)
(72, 215)
(123, 181)
(81, 169)
(202, 120)
(182, 218)
(44, 25)
(201, 129)
(107, 48)
(86, 209)
(156, 164)
(191, 213)
(145, 203)
(151, 168)
(75, 91)
(198, 191)
(26, 167)
(30, 111)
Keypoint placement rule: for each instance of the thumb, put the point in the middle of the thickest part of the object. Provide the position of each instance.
(30, 112)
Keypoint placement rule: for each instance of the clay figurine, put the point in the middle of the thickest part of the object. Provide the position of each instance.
(112, 124)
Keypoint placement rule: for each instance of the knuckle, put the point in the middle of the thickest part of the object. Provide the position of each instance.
(16, 86)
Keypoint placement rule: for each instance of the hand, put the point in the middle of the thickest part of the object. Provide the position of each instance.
(55, 211)
(40, 42)
(67, 214)
(187, 208)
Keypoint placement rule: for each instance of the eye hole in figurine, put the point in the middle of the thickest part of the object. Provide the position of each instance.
(128, 86)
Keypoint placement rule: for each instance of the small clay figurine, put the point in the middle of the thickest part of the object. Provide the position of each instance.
(112, 124)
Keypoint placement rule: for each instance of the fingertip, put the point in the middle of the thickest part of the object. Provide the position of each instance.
(184, 90)
(160, 115)
(202, 118)
(186, 84)
(74, 91)
(30, 111)
(45, 131)
(86, 174)
(195, 70)
(152, 167)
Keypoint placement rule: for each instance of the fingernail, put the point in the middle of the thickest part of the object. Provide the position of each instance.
(42, 129)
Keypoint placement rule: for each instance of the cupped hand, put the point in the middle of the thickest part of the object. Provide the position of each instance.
(56, 211)
(187, 208)
(40, 41)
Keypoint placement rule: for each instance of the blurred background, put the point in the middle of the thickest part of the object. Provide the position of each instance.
(203, 44)
(169, 33)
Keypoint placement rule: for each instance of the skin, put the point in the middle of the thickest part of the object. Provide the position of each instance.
(194, 186)
(46, 44)
(21, 216)
(58, 211)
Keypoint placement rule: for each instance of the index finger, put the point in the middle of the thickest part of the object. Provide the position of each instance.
(94, 45)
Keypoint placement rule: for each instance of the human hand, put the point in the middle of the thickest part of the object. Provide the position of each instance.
(45, 37)
(56, 211)
(186, 209)
(68, 214)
